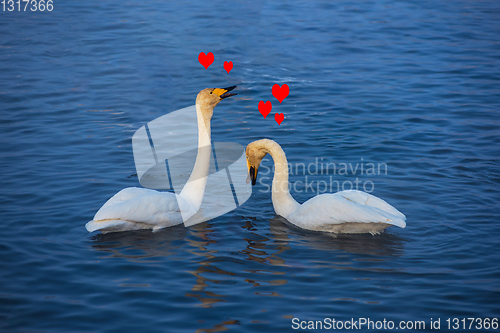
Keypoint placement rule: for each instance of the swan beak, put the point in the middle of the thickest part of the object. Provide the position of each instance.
(224, 92)
(252, 174)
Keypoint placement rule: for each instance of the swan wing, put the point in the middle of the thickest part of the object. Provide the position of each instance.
(339, 208)
(367, 199)
(138, 208)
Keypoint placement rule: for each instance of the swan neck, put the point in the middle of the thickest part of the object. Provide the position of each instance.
(203, 115)
(283, 202)
(194, 189)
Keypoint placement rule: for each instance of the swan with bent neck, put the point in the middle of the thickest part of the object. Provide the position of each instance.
(348, 211)
(136, 208)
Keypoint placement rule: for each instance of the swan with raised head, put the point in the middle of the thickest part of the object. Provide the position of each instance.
(136, 208)
(342, 212)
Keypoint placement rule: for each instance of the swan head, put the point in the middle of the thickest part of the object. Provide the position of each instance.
(208, 98)
(254, 154)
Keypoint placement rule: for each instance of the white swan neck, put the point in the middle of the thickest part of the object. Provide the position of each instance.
(204, 130)
(283, 202)
(194, 189)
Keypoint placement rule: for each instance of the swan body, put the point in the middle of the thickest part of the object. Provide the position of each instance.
(348, 211)
(136, 208)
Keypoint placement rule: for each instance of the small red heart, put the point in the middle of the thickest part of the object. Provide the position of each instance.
(265, 108)
(279, 117)
(228, 66)
(280, 92)
(206, 59)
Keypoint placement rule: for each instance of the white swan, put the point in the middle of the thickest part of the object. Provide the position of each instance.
(139, 208)
(343, 212)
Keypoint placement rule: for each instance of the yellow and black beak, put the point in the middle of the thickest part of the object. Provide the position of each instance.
(224, 92)
(252, 174)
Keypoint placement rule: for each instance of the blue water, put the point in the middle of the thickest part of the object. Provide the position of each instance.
(412, 84)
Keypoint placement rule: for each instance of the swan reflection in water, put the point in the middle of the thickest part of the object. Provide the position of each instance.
(248, 251)
(385, 244)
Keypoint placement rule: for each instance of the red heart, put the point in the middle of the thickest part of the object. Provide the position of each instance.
(279, 117)
(265, 108)
(206, 59)
(228, 66)
(280, 92)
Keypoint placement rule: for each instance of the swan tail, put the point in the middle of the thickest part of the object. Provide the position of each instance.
(396, 220)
